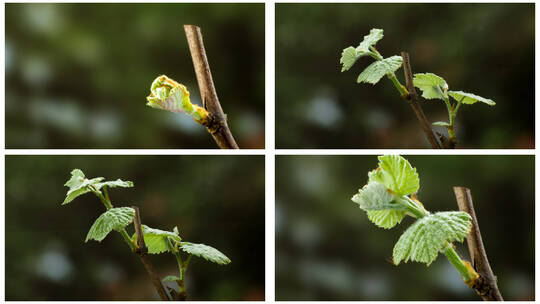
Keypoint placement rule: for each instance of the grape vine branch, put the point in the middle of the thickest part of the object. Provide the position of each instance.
(217, 125)
(486, 285)
(390, 196)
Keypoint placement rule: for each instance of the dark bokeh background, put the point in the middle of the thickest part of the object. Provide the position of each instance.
(486, 49)
(216, 200)
(77, 75)
(327, 249)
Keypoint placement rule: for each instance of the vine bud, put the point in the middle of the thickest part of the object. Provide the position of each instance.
(169, 95)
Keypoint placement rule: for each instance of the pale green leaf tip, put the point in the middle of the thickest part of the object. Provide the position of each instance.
(441, 124)
(75, 173)
(206, 252)
(469, 98)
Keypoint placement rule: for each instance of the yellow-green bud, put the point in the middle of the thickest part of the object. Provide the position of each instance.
(167, 94)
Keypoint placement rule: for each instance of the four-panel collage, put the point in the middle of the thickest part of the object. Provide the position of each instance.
(375, 151)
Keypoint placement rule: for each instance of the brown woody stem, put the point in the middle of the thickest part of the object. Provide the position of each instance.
(142, 252)
(217, 125)
(412, 99)
(486, 285)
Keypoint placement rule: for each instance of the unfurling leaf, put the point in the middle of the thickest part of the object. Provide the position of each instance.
(394, 177)
(167, 94)
(157, 241)
(431, 85)
(77, 178)
(374, 196)
(468, 98)
(170, 278)
(422, 241)
(78, 185)
(397, 174)
(379, 204)
(375, 71)
(370, 40)
(206, 252)
(441, 124)
(351, 54)
(112, 219)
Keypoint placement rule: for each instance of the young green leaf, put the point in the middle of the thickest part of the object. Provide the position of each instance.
(77, 178)
(374, 196)
(397, 174)
(423, 240)
(375, 71)
(351, 54)
(157, 241)
(431, 85)
(78, 185)
(348, 58)
(113, 219)
(468, 98)
(206, 252)
(441, 124)
(370, 40)
(170, 278)
(386, 219)
(114, 184)
(169, 95)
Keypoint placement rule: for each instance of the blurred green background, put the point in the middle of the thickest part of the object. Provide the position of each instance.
(486, 49)
(327, 249)
(77, 75)
(216, 200)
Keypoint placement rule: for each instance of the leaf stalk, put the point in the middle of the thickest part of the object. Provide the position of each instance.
(467, 273)
(401, 89)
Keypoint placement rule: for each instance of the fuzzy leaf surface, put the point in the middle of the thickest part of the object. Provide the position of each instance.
(469, 98)
(423, 240)
(77, 178)
(206, 252)
(114, 184)
(348, 58)
(386, 219)
(431, 85)
(350, 55)
(375, 71)
(112, 219)
(397, 174)
(156, 240)
(370, 40)
(374, 196)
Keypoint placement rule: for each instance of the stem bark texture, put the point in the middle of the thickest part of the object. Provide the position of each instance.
(217, 125)
(142, 252)
(412, 99)
(486, 285)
